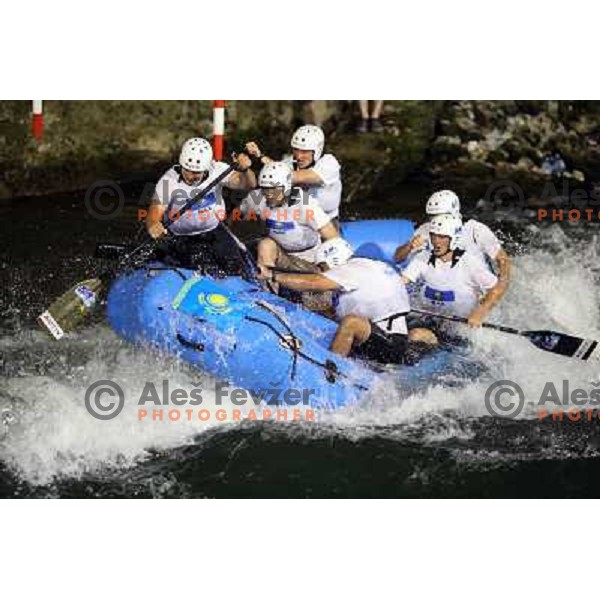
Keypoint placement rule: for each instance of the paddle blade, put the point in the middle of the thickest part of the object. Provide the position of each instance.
(565, 345)
(68, 311)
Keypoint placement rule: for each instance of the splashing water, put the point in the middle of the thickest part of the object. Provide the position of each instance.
(46, 433)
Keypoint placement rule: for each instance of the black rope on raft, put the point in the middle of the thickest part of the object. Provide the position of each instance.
(283, 340)
(329, 366)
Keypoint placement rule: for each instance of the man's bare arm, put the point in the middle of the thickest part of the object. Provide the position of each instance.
(309, 282)
(404, 251)
(154, 219)
(329, 232)
(242, 180)
(504, 271)
(479, 314)
(306, 177)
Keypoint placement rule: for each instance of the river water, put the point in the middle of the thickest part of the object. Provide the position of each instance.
(439, 442)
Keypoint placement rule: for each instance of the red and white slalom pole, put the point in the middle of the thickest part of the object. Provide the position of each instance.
(218, 128)
(37, 120)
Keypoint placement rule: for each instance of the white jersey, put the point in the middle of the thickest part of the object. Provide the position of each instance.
(453, 287)
(173, 192)
(329, 193)
(295, 227)
(474, 237)
(373, 290)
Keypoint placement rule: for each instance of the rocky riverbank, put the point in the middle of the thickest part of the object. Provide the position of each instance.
(530, 144)
(465, 144)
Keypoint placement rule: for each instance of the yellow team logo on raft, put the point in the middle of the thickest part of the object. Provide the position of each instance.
(217, 304)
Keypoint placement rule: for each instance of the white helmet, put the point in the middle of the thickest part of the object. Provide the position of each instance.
(196, 155)
(309, 137)
(276, 174)
(334, 253)
(447, 225)
(443, 202)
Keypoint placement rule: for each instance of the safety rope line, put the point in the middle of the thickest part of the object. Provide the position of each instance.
(330, 367)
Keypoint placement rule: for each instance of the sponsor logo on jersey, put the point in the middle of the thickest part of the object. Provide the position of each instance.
(279, 226)
(439, 295)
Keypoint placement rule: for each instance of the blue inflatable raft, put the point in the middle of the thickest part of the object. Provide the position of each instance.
(234, 330)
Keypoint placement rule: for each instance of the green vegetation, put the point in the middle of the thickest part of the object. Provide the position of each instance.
(472, 143)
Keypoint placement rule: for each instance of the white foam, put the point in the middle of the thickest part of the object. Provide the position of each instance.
(49, 433)
(46, 431)
(554, 287)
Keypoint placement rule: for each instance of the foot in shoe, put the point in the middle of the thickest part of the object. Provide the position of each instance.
(363, 126)
(376, 126)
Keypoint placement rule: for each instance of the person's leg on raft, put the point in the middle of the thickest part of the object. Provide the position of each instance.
(351, 332)
(367, 340)
(422, 335)
(271, 254)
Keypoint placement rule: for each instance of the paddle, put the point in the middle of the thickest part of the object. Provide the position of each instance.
(550, 341)
(248, 259)
(547, 340)
(117, 251)
(168, 221)
(72, 307)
